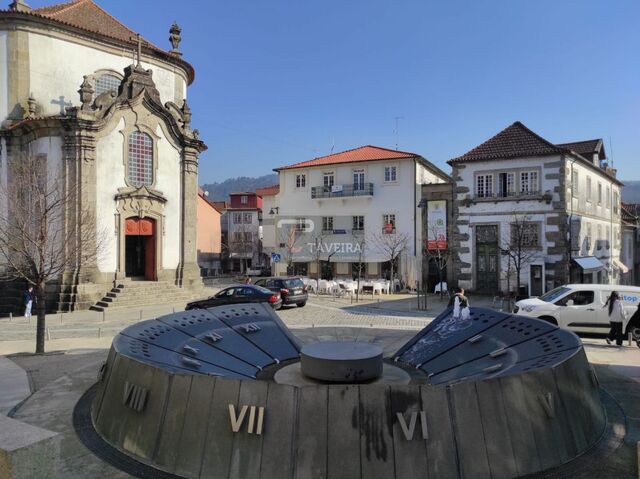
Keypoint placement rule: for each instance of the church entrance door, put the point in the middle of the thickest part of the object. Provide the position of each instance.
(140, 248)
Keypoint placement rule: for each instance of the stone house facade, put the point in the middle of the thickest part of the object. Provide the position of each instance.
(563, 198)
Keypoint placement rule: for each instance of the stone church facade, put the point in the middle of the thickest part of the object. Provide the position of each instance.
(107, 112)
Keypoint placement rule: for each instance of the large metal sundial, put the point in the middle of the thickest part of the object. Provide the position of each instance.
(230, 392)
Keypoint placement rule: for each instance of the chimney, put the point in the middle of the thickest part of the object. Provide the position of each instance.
(19, 6)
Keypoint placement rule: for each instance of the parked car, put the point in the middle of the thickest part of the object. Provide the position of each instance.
(580, 307)
(259, 271)
(291, 290)
(246, 293)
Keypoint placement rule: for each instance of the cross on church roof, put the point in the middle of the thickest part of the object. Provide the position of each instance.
(139, 42)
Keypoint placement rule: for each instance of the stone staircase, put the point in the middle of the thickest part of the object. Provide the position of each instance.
(133, 294)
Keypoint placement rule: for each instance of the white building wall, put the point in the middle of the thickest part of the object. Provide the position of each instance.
(110, 167)
(168, 182)
(400, 198)
(4, 93)
(57, 68)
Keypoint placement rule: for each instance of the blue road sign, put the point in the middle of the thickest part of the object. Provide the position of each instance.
(276, 257)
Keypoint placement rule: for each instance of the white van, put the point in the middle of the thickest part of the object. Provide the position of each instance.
(580, 307)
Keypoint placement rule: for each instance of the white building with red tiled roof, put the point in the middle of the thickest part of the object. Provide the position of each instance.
(337, 201)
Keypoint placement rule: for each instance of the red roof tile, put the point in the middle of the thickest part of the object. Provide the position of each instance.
(268, 190)
(364, 153)
(515, 141)
(87, 15)
(586, 148)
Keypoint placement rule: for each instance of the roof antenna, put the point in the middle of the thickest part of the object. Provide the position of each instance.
(397, 129)
(333, 144)
(611, 151)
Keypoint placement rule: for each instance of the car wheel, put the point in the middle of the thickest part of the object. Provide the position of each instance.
(549, 319)
(301, 304)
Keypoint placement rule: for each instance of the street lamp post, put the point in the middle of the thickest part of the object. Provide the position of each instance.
(424, 264)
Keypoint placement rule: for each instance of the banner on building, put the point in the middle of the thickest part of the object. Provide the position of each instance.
(437, 225)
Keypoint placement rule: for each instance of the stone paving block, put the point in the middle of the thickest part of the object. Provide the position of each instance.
(27, 452)
(312, 433)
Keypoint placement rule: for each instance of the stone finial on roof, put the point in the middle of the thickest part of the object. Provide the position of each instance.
(19, 6)
(31, 102)
(175, 38)
(86, 94)
(186, 114)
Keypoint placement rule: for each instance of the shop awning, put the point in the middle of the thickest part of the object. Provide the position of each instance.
(589, 264)
(620, 265)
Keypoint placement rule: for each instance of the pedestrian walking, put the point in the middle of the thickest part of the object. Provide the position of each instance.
(247, 280)
(28, 299)
(616, 318)
(460, 304)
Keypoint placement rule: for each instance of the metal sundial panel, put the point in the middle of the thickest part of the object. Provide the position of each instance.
(217, 335)
(170, 360)
(509, 332)
(543, 351)
(265, 330)
(446, 332)
(157, 333)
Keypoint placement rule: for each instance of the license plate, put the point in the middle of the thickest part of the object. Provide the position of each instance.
(297, 291)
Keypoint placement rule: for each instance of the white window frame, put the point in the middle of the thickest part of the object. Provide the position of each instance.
(327, 223)
(389, 218)
(244, 199)
(608, 198)
(511, 184)
(301, 180)
(390, 174)
(530, 180)
(358, 185)
(575, 184)
(484, 188)
(588, 189)
(301, 225)
(247, 218)
(616, 203)
(237, 218)
(328, 179)
(358, 222)
(599, 194)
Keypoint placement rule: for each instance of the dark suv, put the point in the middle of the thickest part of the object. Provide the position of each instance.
(292, 290)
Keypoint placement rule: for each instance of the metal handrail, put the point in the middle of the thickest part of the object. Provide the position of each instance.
(342, 191)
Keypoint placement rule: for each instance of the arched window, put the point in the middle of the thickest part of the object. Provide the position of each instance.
(140, 162)
(105, 83)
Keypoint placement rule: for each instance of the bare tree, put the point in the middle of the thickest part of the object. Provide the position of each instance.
(38, 241)
(244, 242)
(360, 244)
(289, 238)
(437, 253)
(316, 244)
(520, 246)
(390, 244)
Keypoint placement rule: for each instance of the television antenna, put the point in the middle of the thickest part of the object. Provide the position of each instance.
(397, 129)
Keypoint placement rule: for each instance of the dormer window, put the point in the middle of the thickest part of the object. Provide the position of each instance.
(140, 161)
(104, 83)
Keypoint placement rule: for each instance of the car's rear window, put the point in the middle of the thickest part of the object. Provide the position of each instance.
(262, 290)
(294, 283)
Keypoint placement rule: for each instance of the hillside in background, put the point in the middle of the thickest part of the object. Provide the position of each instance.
(220, 191)
(631, 192)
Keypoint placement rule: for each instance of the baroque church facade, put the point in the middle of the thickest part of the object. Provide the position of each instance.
(107, 113)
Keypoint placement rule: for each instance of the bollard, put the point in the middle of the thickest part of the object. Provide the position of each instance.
(60, 318)
(630, 339)
(48, 334)
(10, 317)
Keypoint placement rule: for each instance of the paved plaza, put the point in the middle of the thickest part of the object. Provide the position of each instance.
(43, 390)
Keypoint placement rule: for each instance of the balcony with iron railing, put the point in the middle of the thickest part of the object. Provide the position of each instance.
(342, 191)
(512, 196)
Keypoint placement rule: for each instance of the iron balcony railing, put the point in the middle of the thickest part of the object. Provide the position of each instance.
(508, 195)
(342, 191)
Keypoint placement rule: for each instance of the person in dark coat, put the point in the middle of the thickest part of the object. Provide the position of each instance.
(28, 300)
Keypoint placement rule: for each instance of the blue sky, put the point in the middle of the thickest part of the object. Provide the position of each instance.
(279, 81)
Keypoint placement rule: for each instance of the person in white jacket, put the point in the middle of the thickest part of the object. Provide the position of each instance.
(616, 318)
